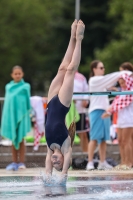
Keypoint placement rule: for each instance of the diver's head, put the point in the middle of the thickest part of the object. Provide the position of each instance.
(57, 160)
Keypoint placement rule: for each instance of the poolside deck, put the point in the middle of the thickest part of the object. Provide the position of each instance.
(37, 158)
(72, 173)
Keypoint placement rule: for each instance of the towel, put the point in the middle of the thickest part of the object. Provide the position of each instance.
(15, 122)
(37, 105)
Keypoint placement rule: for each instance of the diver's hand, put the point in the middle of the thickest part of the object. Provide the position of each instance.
(62, 179)
(47, 179)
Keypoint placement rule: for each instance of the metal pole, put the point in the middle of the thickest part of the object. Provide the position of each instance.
(77, 9)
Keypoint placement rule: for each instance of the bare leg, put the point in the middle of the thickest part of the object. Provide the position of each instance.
(14, 154)
(92, 146)
(102, 151)
(22, 152)
(83, 141)
(120, 145)
(58, 80)
(66, 91)
(132, 149)
(127, 145)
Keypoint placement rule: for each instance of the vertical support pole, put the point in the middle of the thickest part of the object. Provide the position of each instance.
(77, 9)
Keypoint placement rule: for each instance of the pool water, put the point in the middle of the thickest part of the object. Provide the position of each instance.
(77, 188)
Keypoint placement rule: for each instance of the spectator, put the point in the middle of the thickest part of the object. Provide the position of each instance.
(99, 128)
(82, 126)
(124, 145)
(129, 67)
(16, 118)
(126, 66)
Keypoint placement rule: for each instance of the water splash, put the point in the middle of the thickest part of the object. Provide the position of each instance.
(108, 194)
(11, 182)
(54, 180)
(52, 187)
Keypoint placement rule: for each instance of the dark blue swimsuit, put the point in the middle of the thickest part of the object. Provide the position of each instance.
(55, 128)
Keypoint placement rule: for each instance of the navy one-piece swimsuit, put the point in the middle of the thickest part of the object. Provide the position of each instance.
(55, 128)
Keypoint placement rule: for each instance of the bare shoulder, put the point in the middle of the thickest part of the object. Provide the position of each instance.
(68, 141)
(49, 151)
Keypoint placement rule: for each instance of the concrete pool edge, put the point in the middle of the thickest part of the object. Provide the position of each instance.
(72, 173)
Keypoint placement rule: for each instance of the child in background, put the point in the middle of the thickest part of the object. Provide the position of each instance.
(126, 66)
(16, 117)
(123, 104)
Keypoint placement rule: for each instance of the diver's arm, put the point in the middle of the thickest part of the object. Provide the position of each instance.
(67, 160)
(66, 165)
(48, 163)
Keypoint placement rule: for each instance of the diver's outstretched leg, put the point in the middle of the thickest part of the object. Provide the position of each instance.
(58, 80)
(66, 91)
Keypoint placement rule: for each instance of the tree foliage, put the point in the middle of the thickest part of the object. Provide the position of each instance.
(26, 27)
(120, 47)
(99, 28)
(35, 33)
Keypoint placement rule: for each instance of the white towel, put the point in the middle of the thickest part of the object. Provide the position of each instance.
(37, 105)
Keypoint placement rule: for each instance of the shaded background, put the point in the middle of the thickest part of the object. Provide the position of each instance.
(34, 34)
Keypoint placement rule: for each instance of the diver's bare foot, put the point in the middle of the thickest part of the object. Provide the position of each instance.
(73, 29)
(80, 30)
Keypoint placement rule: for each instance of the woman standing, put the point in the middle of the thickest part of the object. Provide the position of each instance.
(100, 128)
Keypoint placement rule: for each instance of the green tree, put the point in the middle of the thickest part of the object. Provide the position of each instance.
(24, 37)
(120, 47)
(98, 31)
(35, 33)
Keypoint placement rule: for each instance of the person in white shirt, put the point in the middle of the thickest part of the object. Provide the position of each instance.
(99, 128)
(81, 103)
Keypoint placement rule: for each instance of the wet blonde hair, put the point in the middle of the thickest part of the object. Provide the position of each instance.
(72, 130)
